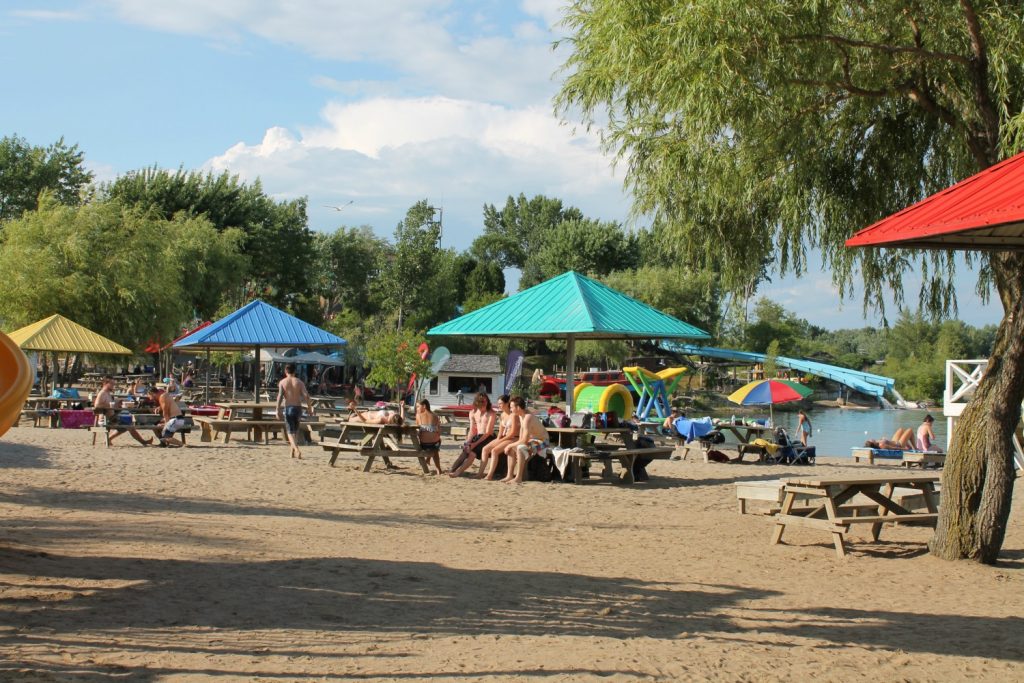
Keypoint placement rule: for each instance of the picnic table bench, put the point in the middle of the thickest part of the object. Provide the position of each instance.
(833, 493)
(370, 441)
(255, 430)
(108, 427)
(606, 453)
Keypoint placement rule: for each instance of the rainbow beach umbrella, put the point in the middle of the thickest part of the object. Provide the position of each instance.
(769, 392)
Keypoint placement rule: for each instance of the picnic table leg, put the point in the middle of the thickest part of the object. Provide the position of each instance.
(423, 465)
(780, 526)
(837, 536)
(576, 465)
(369, 462)
(627, 463)
(207, 432)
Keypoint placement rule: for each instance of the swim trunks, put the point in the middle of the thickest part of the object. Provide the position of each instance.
(291, 418)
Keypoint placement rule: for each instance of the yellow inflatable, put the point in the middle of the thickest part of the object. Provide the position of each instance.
(612, 398)
(15, 382)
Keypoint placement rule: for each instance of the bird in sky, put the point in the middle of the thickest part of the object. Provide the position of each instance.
(338, 208)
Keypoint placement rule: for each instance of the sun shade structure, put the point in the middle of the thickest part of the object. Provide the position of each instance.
(570, 306)
(983, 212)
(255, 325)
(59, 334)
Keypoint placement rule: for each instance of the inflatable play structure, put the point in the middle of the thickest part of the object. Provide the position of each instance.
(612, 398)
(15, 382)
(654, 388)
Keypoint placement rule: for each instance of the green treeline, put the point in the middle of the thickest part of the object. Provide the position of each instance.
(148, 253)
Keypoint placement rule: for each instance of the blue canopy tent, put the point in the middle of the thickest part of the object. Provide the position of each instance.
(253, 326)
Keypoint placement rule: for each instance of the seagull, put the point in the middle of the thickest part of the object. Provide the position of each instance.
(338, 208)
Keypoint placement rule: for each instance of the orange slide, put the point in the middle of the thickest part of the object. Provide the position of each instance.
(15, 382)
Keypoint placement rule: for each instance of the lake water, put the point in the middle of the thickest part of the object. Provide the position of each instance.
(836, 430)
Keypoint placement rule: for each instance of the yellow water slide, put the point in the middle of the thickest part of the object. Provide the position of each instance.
(15, 382)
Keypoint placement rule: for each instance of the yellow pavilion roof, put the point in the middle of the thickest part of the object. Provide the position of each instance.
(57, 333)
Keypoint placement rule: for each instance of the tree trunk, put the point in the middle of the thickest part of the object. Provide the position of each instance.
(977, 483)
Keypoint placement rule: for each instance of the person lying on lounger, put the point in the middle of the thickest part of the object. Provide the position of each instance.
(902, 440)
(374, 417)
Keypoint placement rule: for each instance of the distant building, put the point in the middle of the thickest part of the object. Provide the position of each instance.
(468, 374)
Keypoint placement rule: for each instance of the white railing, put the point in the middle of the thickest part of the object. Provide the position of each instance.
(962, 380)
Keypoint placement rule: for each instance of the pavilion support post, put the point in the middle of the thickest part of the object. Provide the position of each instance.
(206, 393)
(570, 372)
(257, 381)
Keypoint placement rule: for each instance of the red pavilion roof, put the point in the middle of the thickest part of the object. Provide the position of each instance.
(983, 212)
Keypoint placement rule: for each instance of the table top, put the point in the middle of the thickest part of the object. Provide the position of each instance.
(262, 405)
(822, 482)
(589, 430)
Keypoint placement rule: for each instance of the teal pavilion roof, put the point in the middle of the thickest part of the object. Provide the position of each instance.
(569, 305)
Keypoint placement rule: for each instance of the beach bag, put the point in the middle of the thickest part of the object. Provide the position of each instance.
(606, 420)
(717, 456)
(557, 418)
(581, 420)
(539, 469)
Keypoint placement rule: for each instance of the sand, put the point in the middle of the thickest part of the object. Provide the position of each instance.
(235, 562)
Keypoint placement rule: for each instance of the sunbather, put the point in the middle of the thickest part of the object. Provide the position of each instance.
(902, 440)
(374, 417)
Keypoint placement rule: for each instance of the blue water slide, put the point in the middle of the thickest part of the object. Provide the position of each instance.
(863, 382)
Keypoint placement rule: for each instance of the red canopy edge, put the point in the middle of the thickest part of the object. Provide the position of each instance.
(205, 323)
(982, 212)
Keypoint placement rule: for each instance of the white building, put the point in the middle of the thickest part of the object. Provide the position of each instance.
(468, 374)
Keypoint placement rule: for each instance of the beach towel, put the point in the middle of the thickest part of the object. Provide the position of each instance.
(693, 429)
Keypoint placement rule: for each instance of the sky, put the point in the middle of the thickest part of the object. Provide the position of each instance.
(367, 107)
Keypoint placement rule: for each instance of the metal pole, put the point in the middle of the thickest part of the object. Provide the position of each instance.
(570, 372)
(206, 396)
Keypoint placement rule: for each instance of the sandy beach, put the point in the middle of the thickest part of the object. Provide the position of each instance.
(237, 563)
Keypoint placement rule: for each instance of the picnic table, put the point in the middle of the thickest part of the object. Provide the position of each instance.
(370, 441)
(624, 450)
(744, 433)
(230, 418)
(831, 493)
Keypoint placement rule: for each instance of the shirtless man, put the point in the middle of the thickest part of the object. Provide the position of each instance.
(533, 440)
(105, 405)
(291, 391)
(508, 433)
(172, 418)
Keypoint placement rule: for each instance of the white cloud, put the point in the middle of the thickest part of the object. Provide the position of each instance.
(424, 41)
(47, 15)
(548, 10)
(387, 153)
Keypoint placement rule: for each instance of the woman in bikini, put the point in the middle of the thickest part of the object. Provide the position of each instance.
(508, 433)
(430, 432)
(375, 417)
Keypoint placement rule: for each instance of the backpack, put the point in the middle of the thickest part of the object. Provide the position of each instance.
(606, 420)
(581, 420)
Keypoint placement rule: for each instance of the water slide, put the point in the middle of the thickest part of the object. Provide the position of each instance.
(863, 382)
(15, 382)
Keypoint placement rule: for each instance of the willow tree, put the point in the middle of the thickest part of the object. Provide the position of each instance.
(783, 125)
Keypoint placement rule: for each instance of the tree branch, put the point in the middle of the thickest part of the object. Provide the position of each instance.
(916, 50)
(985, 149)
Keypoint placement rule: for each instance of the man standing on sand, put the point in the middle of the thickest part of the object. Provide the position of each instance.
(292, 391)
(172, 418)
(533, 440)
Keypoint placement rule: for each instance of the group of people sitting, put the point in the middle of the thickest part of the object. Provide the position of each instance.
(904, 439)
(520, 435)
(172, 419)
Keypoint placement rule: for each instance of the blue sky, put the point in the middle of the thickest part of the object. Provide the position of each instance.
(379, 104)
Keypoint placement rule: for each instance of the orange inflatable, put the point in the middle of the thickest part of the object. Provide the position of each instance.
(15, 382)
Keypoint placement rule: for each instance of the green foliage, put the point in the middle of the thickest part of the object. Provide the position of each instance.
(519, 229)
(591, 247)
(767, 128)
(111, 268)
(26, 171)
(771, 365)
(691, 296)
(393, 356)
(345, 264)
(276, 242)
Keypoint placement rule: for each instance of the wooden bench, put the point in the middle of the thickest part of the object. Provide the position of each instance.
(626, 457)
(872, 454)
(921, 459)
(105, 431)
(259, 429)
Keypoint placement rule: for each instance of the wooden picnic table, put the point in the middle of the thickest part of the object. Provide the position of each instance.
(625, 451)
(832, 492)
(744, 433)
(371, 441)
